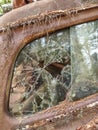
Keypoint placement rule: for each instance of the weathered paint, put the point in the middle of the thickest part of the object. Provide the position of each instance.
(18, 28)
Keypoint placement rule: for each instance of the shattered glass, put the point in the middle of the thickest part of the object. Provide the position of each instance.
(60, 66)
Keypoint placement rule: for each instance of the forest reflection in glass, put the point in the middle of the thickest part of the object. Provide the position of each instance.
(60, 66)
(84, 60)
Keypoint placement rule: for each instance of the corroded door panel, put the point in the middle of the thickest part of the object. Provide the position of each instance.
(18, 28)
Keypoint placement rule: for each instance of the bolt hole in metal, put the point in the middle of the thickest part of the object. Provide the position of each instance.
(60, 66)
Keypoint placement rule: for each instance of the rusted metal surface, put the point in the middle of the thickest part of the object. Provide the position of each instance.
(91, 125)
(19, 3)
(18, 28)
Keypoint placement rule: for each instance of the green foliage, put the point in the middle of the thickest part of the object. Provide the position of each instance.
(3, 7)
(5, 1)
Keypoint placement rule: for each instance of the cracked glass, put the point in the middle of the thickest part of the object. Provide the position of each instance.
(60, 66)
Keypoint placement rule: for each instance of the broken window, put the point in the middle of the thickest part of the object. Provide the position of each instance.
(60, 66)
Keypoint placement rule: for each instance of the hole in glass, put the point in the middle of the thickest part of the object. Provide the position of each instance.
(61, 66)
